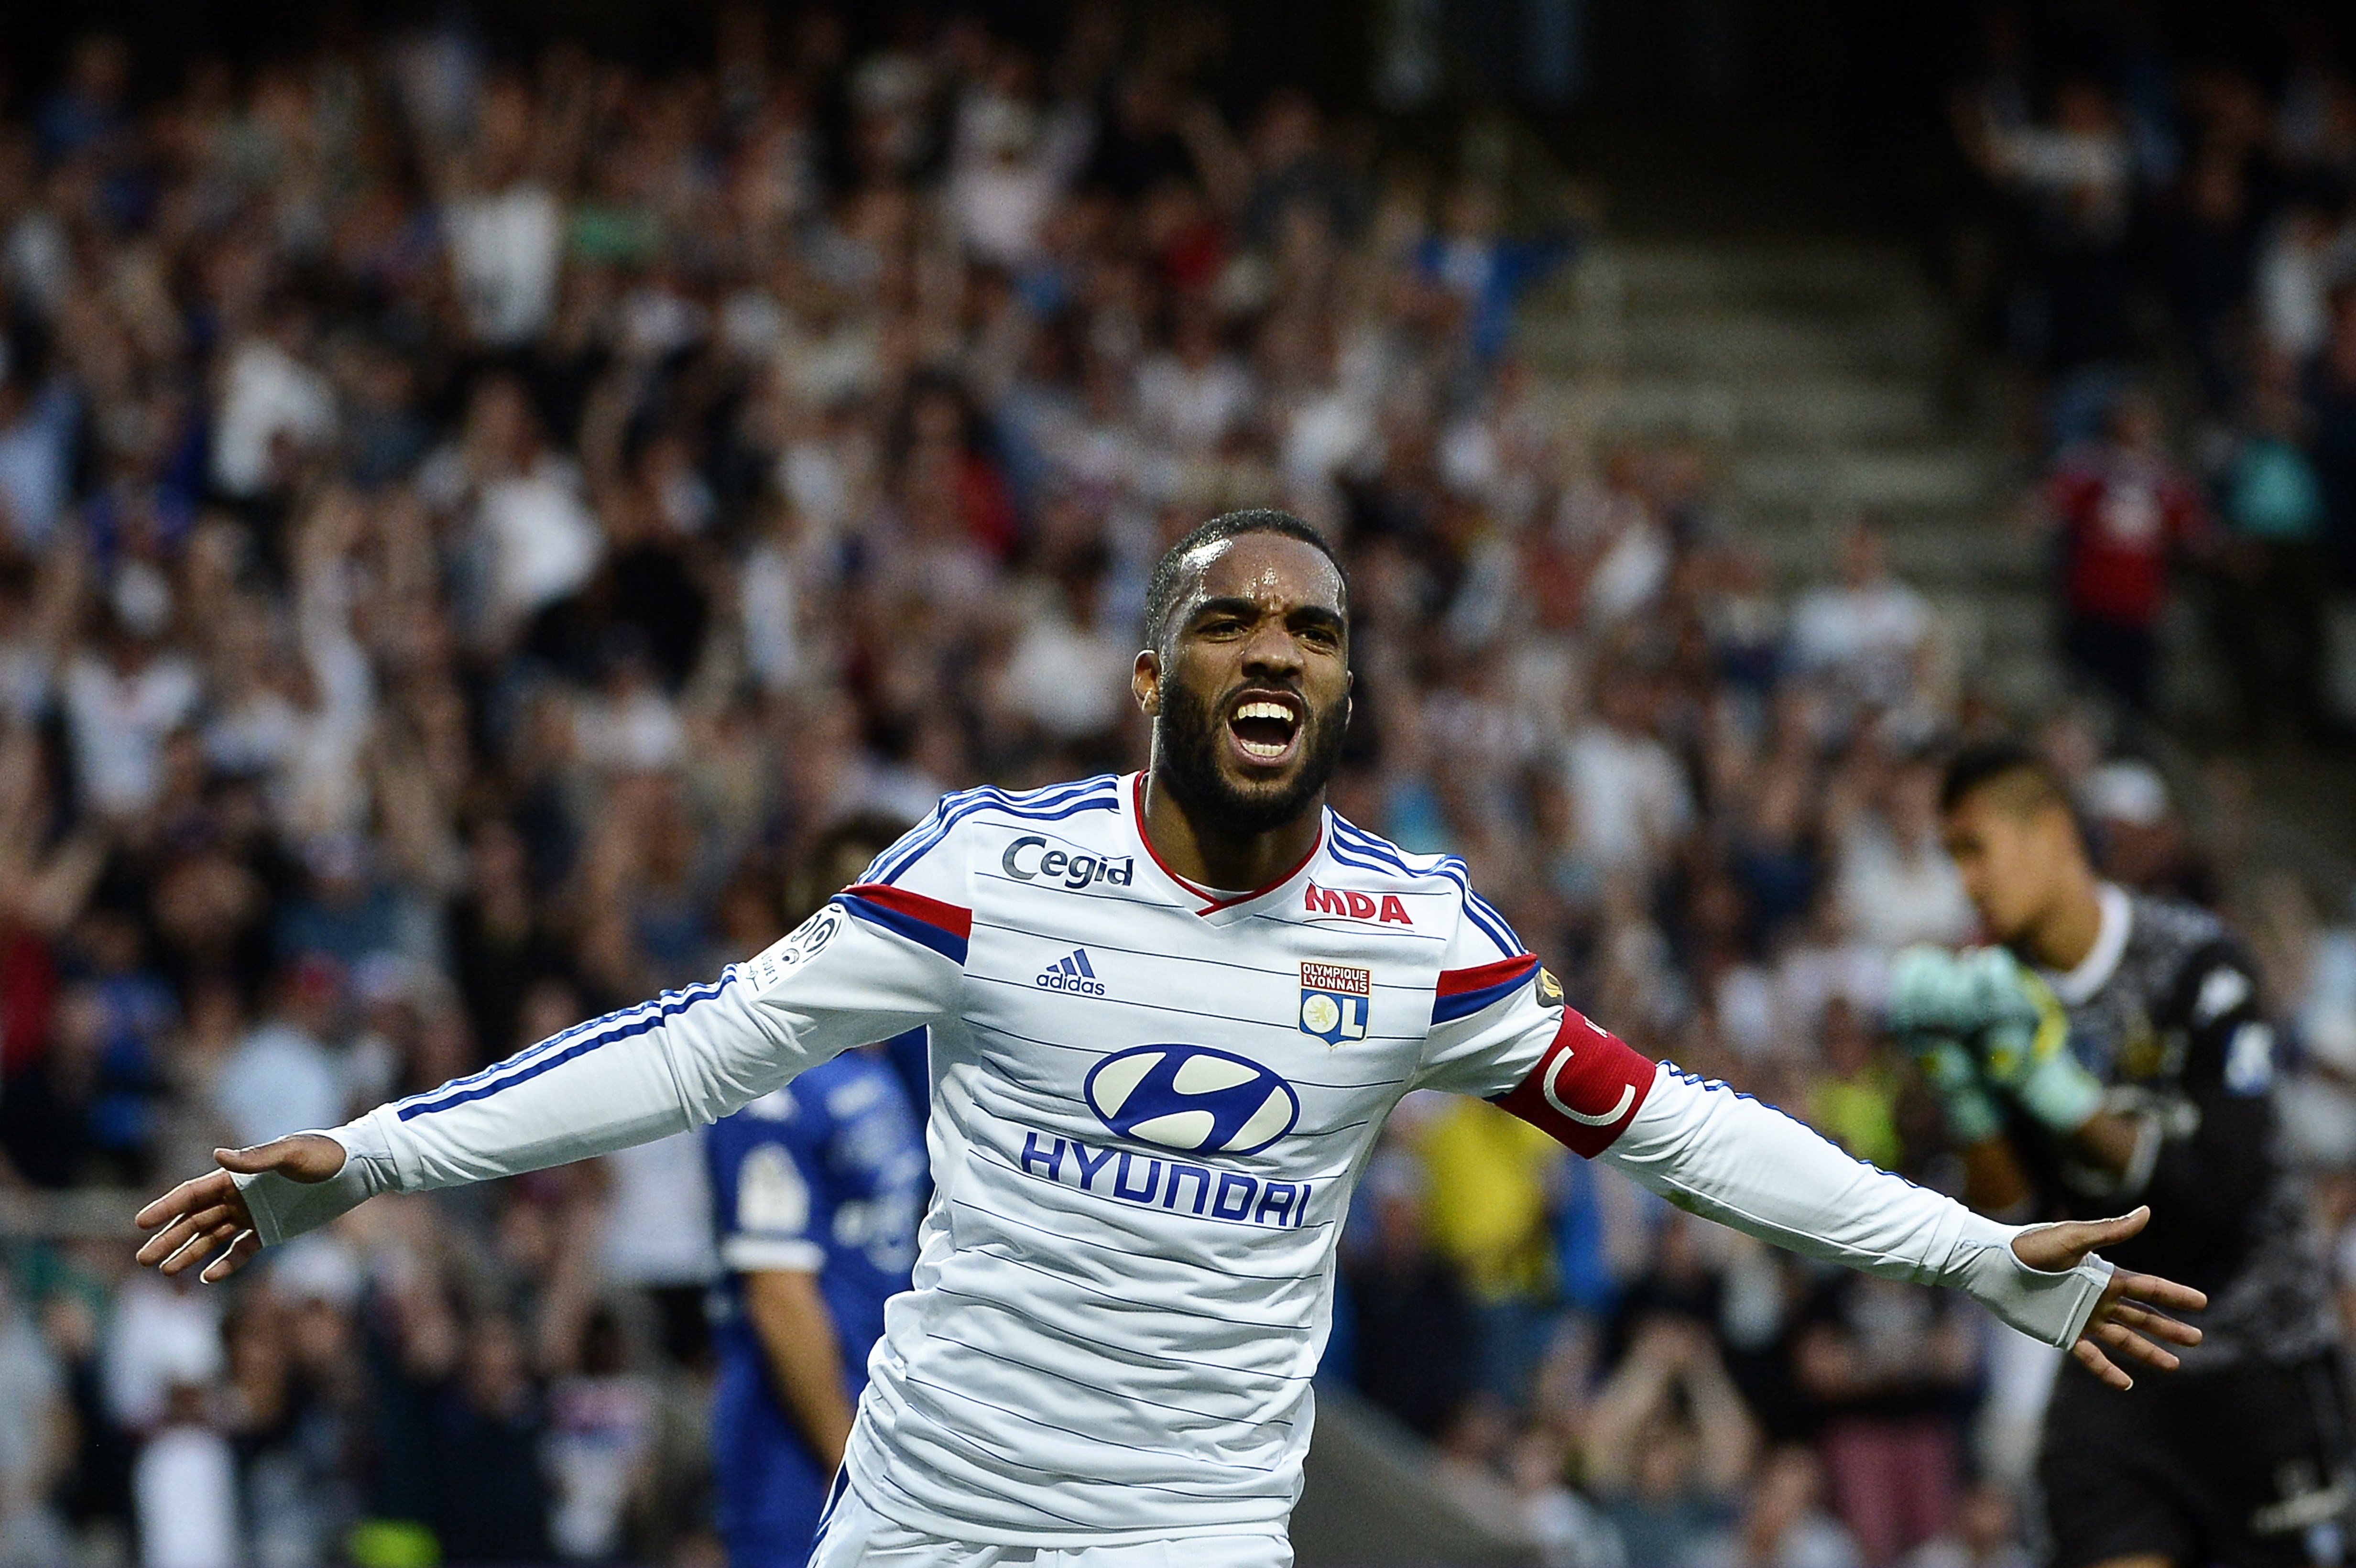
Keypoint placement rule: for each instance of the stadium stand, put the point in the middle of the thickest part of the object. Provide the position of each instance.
(477, 512)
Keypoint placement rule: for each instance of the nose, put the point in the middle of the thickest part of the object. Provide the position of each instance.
(1272, 651)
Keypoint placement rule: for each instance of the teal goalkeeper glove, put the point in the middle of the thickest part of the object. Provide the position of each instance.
(1930, 1001)
(2023, 1043)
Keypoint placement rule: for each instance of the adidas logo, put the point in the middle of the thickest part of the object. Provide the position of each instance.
(1071, 973)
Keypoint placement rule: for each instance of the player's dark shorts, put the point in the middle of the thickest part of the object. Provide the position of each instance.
(2237, 1467)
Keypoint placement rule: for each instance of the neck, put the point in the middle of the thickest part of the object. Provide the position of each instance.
(1233, 861)
(2063, 936)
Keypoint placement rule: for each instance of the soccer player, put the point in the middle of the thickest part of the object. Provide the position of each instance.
(816, 1187)
(1169, 1013)
(2126, 1060)
(816, 1190)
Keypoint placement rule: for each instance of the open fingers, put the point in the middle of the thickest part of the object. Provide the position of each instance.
(2090, 1356)
(2125, 1340)
(243, 1247)
(198, 1192)
(199, 1246)
(2156, 1325)
(167, 1243)
(2153, 1291)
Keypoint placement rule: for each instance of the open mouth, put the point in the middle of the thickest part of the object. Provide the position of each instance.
(1265, 728)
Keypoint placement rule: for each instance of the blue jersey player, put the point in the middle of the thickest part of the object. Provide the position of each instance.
(817, 1187)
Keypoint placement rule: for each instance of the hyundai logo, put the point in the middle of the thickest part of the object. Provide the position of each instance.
(1192, 1098)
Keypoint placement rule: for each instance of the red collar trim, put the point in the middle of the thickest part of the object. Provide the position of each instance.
(1137, 798)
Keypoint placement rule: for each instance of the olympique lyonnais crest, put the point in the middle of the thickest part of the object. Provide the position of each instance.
(1333, 1001)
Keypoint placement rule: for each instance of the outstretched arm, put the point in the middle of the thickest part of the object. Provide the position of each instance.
(1730, 1158)
(872, 963)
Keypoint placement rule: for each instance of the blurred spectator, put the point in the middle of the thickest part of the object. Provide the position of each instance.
(1410, 1333)
(1986, 1534)
(1782, 1526)
(185, 1487)
(2073, 176)
(2274, 580)
(285, 1075)
(1866, 637)
(1570, 1531)
(1486, 1186)
(2127, 513)
(2330, 394)
(36, 1442)
(1891, 877)
(486, 1495)
(1887, 1367)
(601, 1439)
(1854, 1101)
(1629, 800)
(1668, 1444)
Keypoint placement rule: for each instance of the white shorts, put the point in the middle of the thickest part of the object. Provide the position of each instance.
(855, 1536)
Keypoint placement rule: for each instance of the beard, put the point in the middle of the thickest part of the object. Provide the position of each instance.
(1188, 762)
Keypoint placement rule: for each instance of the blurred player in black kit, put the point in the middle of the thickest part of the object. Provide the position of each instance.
(2108, 1048)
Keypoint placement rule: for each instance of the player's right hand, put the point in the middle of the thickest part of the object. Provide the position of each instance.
(2131, 1321)
(207, 1216)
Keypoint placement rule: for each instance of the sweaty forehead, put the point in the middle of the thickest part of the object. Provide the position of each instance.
(1268, 568)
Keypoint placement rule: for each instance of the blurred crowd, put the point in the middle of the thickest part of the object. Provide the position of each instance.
(471, 524)
(2169, 238)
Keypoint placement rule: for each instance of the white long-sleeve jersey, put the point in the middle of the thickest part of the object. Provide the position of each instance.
(1148, 1108)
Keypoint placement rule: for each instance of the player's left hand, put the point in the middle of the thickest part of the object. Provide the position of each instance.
(2127, 1321)
(2023, 1042)
(205, 1219)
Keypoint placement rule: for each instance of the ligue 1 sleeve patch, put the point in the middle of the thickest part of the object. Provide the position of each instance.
(798, 949)
(1586, 1089)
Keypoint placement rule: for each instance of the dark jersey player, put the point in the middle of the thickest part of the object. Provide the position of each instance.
(2111, 1051)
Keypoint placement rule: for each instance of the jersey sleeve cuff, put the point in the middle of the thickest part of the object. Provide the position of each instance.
(2053, 1307)
(283, 1209)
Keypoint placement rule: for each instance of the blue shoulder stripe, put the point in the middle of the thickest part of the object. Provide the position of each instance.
(1050, 805)
(1386, 856)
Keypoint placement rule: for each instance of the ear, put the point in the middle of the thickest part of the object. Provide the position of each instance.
(1145, 683)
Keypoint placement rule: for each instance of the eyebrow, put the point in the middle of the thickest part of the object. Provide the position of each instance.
(1236, 604)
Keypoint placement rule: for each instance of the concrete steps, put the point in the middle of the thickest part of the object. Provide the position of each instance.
(1798, 405)
(1818, 378)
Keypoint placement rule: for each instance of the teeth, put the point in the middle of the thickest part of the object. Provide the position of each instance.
(1263, 708)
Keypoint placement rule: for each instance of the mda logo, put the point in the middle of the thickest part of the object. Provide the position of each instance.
(1191, 1097)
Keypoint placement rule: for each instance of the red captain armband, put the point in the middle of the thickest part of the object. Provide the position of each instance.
(1585, 1090)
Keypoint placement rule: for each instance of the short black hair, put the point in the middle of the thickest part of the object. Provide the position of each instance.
(1162, 590)
(1984, 762)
